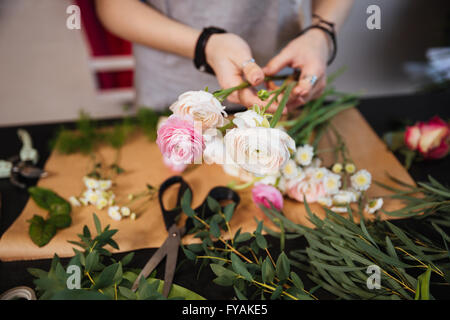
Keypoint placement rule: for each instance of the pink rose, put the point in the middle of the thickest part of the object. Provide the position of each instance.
(179, 141)
(306, 188)
(264, 194)
(175, 167)
(429, 138)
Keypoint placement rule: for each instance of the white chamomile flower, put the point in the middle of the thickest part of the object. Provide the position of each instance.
(304, 155)
(319, 174)
(92, 196)
(337, 168)
(361, 180)
(332, 183)
(343, 197)
(374, 205)
(125, 211)
(350, 168)
(133, 216)
(90, 183)
(104, 184)
(114, 213)
(101, 203)
(282, 184)
(290, 169)
(74, 201)
(339, 209)
(325, 201)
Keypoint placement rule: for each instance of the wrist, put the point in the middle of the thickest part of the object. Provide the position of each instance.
(201, 51)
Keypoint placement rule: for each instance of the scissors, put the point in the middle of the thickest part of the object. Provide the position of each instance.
(172, 243)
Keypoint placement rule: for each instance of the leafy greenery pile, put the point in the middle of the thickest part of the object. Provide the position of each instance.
(42, 230)
(102, 277)
(340, 250)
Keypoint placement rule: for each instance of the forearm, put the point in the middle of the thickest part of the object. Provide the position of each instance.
(335, 11)
(137, 22)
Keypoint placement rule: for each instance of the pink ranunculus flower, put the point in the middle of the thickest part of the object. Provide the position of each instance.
(264, 194)
(175, 167)
(430, 138)
(179, 141)
(306, 188)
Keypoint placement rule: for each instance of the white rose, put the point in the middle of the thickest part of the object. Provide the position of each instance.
(200, 106)
(261, 151)
(247, 119)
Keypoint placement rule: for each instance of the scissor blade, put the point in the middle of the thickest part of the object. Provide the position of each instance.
(171, 264)
(152, 263)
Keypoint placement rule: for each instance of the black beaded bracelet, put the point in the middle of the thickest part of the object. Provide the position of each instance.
(200, 55)
(329, 30)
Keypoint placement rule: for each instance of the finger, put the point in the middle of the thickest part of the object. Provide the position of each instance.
(248, 98)
(318, 89)
(252, 72)
(277, 63)
(311, 74)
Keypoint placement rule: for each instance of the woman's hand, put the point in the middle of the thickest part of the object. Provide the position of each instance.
(228, 55)
(309, 53)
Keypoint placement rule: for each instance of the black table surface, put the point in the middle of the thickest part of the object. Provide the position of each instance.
(383, 114)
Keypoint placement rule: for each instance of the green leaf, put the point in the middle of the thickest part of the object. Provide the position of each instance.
(267, 271)
(49, 200)
(186, 201)
(214, 229)
(106, 277)
(41, 231)
(277, 293)
(261, 241)
(242, 237)
(127, 293)
(239, 294)
(60, 221)
(297, 281)
(127, 259)
(283, 267)
(189, 254)
(98, 225)
(423, 285)
(92, 260)
(240, 267)
(228, 211)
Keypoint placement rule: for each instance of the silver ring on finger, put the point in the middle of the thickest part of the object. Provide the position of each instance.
(246, 63)
(313, 80)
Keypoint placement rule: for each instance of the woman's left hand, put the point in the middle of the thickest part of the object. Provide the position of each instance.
(309, 53)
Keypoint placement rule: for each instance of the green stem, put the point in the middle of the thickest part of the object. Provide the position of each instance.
(282, 104)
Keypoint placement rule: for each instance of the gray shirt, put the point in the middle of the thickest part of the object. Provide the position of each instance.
(266, 25)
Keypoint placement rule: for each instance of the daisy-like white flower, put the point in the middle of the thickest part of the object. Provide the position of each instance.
(319, 174)
(282, 184)
(104, 184)
(337, 168)
(374, 205)
(74, 201)
(92, 196)
(361, 180)
(350, 168)
(290, 170)
(325, 201)
(339, 209)
(125, 211)
(343, 197)
(90, 183)
(101, 203)
(133, 216)
(114, 213)
(332, 183)
(304, 155)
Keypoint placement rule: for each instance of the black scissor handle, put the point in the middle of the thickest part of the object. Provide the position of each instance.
(203, 211)
(170, 216)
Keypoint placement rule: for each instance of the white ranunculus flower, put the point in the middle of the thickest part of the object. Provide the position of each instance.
(200, 106)
(247, 119)
(260, 151)
(214, 151)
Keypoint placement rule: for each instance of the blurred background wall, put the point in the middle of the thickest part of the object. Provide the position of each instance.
(45, 77)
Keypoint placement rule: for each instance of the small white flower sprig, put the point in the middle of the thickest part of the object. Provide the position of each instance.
(98, 193)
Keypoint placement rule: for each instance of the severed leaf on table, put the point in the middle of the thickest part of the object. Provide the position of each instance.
(49, 200)
(41, 231)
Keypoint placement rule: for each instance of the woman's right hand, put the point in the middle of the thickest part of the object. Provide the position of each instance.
(226, 53)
